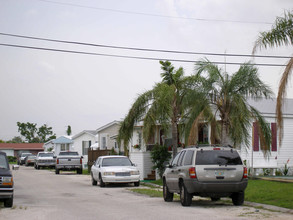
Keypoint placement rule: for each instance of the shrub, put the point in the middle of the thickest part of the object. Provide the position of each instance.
(11, 159)
(160, 155)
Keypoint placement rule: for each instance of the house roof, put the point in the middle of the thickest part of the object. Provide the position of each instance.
(90, 132)
(108, 125)
(21, 146)
(62, 140)
(268, 106)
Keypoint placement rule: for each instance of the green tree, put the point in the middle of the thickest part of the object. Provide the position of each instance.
(16, 139)
(32, 134)
(280, 34)
(68, 131)
(161, 105)
(226, 96)
(160, 155)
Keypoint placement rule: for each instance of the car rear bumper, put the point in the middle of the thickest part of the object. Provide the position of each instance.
(46, 164)
(120, 179)
(68, 167)
(194, 186)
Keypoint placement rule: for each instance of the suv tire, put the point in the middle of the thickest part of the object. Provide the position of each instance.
(238, 198)
(185, 197)
(168, 196)
(57, 171)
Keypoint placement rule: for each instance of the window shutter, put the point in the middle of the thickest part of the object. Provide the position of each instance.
(274, 136)
(255, 137)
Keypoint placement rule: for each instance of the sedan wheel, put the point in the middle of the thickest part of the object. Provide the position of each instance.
(101, 182)
(94, 182)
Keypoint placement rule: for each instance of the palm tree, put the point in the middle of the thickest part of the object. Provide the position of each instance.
(280, 34)
(162, 104)
(226, 96)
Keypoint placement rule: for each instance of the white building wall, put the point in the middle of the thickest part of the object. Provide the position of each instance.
(8, 152)
(77, 145)
(143, 162)
(276, 159)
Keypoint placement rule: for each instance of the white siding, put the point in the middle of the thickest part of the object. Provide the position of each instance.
(276, 159)
(8, 152)
(143, 162)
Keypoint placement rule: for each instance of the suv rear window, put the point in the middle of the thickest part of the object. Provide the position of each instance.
(220, 157)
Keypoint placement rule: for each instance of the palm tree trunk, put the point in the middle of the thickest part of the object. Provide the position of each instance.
(174, 127)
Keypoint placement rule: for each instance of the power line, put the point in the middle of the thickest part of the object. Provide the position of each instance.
(155, 15)
(144, 49)
(130, 57)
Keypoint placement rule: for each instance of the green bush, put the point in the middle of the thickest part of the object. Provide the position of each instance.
(160, 155)
(11, 159)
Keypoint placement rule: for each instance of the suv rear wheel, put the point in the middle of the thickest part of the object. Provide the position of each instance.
(185, 197)
(238, 198)
(168, 196)
(8, 203)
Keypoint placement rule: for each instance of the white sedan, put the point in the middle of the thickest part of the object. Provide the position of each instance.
(114, 169)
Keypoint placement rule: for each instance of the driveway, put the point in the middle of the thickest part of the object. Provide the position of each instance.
(41, 194)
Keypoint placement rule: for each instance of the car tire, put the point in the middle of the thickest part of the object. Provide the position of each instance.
(94, 182)
(238, 198)
(79, 171)
(8, 203)
(168, 196)
(101, 182)
(136, 183)
(57, 171)
(185, 197)
(38, 167)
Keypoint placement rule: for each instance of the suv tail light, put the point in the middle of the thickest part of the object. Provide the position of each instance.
(57, 161)
(80, 160)
(192, 173)
(245, 173)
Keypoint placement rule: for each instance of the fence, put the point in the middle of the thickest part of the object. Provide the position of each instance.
(94, 154)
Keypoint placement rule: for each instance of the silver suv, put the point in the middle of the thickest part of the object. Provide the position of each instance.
(206, 171)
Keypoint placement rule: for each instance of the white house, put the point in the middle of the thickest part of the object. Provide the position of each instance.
(280, 154)
(107, 136)
(82, 142)
(62, 143)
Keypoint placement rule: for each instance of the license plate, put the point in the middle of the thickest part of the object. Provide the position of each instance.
(219, 173)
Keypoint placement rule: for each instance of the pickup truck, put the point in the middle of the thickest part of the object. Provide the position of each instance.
(68, 160)
(6, 181)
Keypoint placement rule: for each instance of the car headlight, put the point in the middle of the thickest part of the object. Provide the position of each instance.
(7, 180)
(109, 173)
(136, 172)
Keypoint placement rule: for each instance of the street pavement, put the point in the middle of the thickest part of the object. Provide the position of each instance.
(43, 195)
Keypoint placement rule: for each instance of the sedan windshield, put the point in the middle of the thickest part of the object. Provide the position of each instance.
(116, 161)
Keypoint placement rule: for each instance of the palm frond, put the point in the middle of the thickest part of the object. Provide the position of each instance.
(280, 99)
(280, 34)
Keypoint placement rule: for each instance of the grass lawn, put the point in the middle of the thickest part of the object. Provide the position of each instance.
(259, 191)
(270, 192)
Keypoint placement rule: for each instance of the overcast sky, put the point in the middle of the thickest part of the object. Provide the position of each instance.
(89, 91)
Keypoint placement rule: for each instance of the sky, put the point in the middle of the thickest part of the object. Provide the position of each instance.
(89, 91)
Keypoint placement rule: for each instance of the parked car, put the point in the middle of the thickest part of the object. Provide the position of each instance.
(45, 159)
(30, 160)
(114, 169)
(209, 171)
(68, 160)
(22, 158)
(6, 181)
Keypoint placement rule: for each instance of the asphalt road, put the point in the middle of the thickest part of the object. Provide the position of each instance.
(41, 194)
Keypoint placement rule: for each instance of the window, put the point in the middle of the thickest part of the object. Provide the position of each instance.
(139, 139)
(85, 147)
(175, 161)
(188, 157)
(181, 158)
(256, 138)
(64, 147)
(218, 157)
(104, 143)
